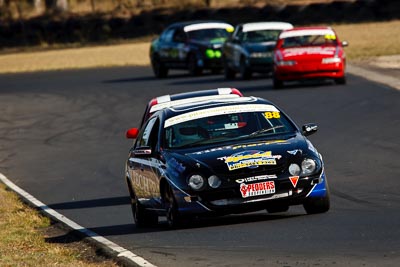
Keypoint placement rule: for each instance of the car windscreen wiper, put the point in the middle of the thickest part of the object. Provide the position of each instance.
(266, 130)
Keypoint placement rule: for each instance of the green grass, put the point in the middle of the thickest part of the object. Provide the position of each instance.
(22, 239)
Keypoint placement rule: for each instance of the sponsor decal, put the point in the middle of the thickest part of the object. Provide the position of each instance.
(290, 52)
(260, 144)
(199, 114)
(257, 189)
(294, 180)
(177, 166)
(250, 159)
(272, 115)
(330, 36)
(144, 185)
(256, 178)
(212, 150)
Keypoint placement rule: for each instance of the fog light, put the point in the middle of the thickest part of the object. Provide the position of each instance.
(294, 169)
(214, 181)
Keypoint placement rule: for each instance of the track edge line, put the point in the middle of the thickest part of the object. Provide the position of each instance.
(120, 254)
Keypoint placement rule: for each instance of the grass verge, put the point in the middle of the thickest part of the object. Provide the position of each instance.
(23, 235)
(367, 40)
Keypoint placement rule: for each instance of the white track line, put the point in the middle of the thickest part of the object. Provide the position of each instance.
(374, 76)
(121, 253)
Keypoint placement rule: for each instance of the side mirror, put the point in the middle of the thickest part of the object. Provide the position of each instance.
(144, 151)
(345, 43)
(309, 129)
(132, 133)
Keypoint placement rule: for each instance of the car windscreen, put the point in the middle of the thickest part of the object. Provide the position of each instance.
(260, 36)
(209, 35)
(226, 127)
(309, 40)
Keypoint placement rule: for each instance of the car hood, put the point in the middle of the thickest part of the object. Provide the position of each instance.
(314, 52)
(268, 156)
(259, 47)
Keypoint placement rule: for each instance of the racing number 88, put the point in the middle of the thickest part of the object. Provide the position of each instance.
(272, 115)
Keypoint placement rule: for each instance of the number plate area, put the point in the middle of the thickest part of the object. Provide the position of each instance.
(257, 189)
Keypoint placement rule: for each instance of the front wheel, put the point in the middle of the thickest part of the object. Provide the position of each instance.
(228, 72)
(174, 217)
(194, 69)
(245, 72)
(341, 80)
(276, 83)
(159, 70)
(141, 216)
(316, 205)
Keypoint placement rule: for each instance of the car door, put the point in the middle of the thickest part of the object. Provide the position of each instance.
(233, 48)
(143, 163)
(165, 45)
(179, 49)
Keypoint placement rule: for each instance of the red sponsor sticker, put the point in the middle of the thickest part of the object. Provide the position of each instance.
(257, 189)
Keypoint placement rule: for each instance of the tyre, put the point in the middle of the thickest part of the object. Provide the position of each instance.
(141, 216)
(341, 80)
(228, 72)
(159, 70)
(194, 70)
(316, 205)
(245, 72)
(174, 218)
(276, 83)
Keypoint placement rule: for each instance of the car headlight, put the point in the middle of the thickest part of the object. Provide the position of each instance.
(294, 169)
(214, 181)
(308, 166)
(196, 182)
(286, 63)
(330, 60)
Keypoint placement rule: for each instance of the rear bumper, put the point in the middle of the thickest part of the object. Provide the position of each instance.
(299, 72)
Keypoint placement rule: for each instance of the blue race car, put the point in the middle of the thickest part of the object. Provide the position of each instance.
(190, 45)
(222, 156)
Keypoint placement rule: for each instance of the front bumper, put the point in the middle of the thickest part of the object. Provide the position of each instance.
(212, 63)
(229, 200)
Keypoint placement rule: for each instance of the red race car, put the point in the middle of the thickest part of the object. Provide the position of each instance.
(308, 53)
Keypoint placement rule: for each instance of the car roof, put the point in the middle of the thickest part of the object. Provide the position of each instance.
(166, 101)
(176, 114)
(201, 24)
(301, 31)
(266, 25)
(190, 106)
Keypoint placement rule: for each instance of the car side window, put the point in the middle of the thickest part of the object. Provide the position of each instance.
(167, 35)
(179, 36)
(144, 138)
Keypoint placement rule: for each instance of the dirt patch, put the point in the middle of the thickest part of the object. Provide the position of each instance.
(136, 54)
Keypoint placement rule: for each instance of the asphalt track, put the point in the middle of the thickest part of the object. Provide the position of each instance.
(62, 140)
